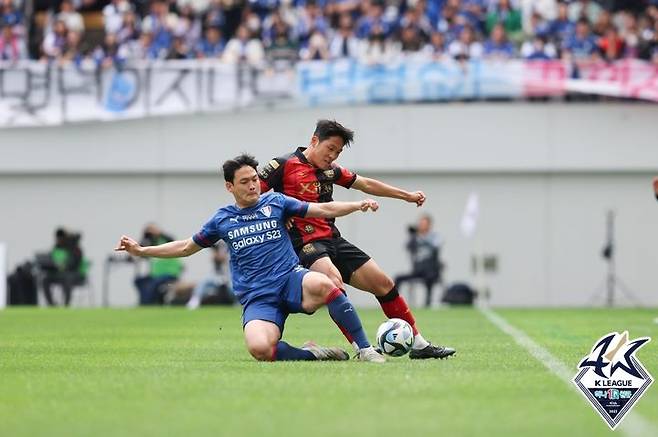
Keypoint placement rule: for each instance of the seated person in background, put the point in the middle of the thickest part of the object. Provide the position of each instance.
(498, 46)
(423, 247)
(217, 281)
(161, 271)
(65, 266)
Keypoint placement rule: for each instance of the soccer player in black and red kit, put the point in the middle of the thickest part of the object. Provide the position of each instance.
(309, 174)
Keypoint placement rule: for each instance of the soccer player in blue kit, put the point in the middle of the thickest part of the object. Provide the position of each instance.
(267, 278)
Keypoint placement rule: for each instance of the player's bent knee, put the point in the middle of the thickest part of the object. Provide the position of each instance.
(316, 292)
(383, 286)
(324, 288)
(261, 351)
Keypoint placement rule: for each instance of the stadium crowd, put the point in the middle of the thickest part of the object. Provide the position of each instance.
(372, 31)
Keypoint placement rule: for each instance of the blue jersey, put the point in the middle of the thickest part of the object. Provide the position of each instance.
(261, 251)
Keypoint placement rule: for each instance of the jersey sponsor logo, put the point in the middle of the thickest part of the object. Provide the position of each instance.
(252, 229)
(266, 210)
(251, 240)
(325, 188)
(612, 378)
(309, 187)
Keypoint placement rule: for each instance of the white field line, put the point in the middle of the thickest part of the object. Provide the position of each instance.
(633, 425)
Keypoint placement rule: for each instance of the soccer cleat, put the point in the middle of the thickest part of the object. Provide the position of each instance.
(326, 353)
(194, 303)
(431, 351)
(370, 354)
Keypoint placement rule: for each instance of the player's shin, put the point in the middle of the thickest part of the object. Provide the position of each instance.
(344, 315)
(395, 307)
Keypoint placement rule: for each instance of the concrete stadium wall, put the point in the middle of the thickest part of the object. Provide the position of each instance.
(546, 174)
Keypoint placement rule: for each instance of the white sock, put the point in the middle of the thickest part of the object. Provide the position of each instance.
(420, 342)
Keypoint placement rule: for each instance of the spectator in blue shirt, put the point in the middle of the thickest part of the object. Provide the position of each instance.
(12, 44)
(374, 17)
(214, 16)
(451, 23)
(473, 13)
(263, 8)
(497, 46)
(211, 45)
(310, 20)
(9, 15)
(582, 44)
(157, 24)
(433, 10)
(537, 26)
(561, 27)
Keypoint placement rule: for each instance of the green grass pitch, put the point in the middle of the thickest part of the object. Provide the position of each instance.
(173, 372)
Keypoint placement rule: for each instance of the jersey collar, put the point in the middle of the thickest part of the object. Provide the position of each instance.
(299, 153)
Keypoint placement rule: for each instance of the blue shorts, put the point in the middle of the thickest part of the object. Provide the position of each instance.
(275, 307)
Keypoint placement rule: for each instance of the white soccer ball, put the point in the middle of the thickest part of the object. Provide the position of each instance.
(395, 337)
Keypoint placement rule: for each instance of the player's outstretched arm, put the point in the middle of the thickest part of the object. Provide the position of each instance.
(339, 209)
(173, 249)
(379, 188)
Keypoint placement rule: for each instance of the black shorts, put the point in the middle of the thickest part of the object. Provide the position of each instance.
(346, 257)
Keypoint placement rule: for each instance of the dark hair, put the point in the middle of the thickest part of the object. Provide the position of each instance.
(232, 165)
(331, 128)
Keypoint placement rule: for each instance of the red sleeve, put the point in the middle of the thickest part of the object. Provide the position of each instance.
(271, 175)
(344, 177)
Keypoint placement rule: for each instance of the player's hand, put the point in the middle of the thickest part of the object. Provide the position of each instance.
(417, 197)
(129, 245)
(290, 223)
(369, 204)
(655, 186)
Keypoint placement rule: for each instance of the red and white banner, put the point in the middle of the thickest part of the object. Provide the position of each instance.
(630, 78)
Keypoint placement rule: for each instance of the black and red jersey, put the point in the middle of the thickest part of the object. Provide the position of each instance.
(294, 176)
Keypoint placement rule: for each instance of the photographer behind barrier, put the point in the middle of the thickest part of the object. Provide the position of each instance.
(64, 265)
(424, 249)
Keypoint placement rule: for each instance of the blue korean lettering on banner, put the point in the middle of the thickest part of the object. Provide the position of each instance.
(120, 93)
